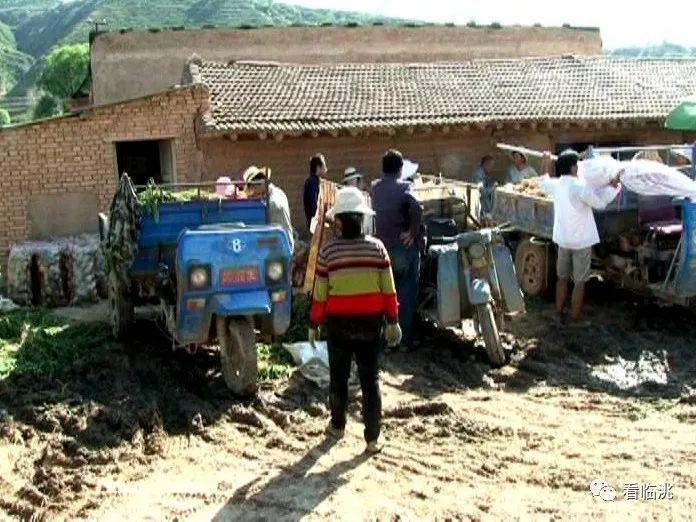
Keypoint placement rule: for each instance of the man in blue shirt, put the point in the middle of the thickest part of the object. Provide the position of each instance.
(399, 226)
(317, 170)
(483, 177)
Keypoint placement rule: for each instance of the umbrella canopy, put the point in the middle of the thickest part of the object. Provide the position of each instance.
(683, 116)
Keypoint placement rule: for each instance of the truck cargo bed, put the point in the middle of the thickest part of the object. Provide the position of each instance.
(533, 215)
(524, 212)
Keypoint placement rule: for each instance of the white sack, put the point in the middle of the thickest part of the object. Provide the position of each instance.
(313, 363)
(651, 178)
(409, 169)
(598, 172)
(6, 305)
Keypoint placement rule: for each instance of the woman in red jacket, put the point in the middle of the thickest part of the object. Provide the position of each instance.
(354, 293)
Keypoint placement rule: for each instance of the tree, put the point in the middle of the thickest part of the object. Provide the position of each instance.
(4, 118)
(46, 107)
(65, 70)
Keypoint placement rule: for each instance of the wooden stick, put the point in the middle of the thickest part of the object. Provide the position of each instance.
(524, 150)
(327, 198)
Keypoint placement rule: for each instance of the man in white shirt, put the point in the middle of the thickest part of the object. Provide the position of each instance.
(574, 227)
(520, 169)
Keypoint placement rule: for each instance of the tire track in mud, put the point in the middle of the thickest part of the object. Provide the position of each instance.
(435, 424)
(118, 420)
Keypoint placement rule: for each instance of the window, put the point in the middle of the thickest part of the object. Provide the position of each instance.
(145, 160)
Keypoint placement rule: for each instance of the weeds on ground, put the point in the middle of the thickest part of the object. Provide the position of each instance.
(300, 320)
(33, 341)
(274, 361)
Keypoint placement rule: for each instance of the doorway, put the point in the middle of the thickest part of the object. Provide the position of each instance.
(145, 160)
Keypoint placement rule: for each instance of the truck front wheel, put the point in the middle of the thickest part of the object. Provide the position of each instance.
(491, 337)
(238, 354)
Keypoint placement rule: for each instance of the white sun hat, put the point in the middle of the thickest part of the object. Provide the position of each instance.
(684, 153)
(350, 200)
(350, 174)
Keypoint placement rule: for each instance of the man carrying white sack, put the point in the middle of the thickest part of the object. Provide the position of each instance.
(574, 227)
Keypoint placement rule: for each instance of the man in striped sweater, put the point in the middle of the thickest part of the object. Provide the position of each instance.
(353, 294)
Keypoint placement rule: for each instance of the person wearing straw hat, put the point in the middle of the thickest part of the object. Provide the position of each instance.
(255, 182)
(354, 293)
(352, 178)
(682, 157)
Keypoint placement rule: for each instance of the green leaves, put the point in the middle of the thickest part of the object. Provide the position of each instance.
(274, 362)
(46, 107)
(65, 71)
(300, 320)
(35, 342)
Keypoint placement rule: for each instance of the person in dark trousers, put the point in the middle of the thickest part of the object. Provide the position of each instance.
(354, 293)
(399, 227)
(317, 170)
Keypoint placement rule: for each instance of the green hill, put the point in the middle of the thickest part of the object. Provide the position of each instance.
(30, 28)
(13, 63)
(663, 50)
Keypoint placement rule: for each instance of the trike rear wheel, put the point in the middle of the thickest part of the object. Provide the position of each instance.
(238, 357)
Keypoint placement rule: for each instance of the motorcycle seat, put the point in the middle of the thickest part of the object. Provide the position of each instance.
(665, 228)
(477, 236)
(658, 215)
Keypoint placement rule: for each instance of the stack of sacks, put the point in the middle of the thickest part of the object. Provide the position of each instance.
(65, 271)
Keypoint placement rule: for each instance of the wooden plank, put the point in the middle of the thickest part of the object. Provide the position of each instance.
(322, 233)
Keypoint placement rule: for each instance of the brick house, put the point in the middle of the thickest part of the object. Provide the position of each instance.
(445, 116)
(57, 173)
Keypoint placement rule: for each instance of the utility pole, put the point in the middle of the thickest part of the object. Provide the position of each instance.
(97, 23)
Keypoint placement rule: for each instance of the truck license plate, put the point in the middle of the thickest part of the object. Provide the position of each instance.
(239, 276)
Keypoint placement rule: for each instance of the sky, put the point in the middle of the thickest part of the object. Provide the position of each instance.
(622, 23)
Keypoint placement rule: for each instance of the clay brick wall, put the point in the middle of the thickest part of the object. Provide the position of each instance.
(76, 155)
(455, 154)
(131, 64)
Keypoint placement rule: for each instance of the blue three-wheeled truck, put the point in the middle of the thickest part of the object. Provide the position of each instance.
(215, 268)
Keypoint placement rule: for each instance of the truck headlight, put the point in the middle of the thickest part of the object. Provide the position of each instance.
(199, 277)
(274, 271)
(477, 251)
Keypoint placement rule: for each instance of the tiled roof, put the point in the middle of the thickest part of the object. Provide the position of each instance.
(291, 98)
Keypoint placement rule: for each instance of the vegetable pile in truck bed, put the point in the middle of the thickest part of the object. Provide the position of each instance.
(531, 187)
(153, 196)
(121, 240)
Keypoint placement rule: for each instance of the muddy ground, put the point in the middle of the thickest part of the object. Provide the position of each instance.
(143, 434)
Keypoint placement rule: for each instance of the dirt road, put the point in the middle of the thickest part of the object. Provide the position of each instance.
(150, 436)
